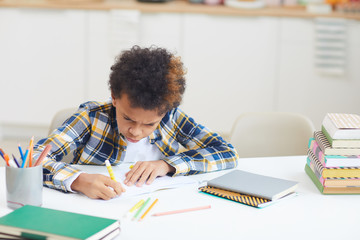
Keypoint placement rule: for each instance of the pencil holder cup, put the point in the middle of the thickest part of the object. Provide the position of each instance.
(24, 186)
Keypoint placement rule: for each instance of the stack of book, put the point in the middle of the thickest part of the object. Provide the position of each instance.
(333, 161)
(251, 189)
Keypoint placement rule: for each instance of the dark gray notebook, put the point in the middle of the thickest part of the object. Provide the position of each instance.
(254, 184)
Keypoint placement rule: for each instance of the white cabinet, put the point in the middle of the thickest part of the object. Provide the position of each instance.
(53, 59)
(42, 63)
(231, 67)
(301, 87)
(111, 32)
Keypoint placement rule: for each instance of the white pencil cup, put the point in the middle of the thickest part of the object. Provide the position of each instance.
(24, 186)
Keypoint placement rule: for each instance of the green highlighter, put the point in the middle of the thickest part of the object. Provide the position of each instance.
(140, 209)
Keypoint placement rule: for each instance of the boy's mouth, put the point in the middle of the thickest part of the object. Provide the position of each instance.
(132, 140)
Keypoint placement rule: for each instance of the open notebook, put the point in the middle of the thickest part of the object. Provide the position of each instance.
(159, 183)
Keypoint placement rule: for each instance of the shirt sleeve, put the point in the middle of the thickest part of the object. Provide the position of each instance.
(206, 151)
(73, 133)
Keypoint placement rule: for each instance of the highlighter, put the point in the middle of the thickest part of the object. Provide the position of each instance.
(110, 170)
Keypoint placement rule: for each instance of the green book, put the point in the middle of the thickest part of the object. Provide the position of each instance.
(341, 143)
(32, 222)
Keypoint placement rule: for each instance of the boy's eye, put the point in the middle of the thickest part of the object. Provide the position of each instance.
(127, 119)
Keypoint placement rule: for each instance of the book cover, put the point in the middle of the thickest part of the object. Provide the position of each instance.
(44, 223)
(234, 196)
(241, 198)
(341, 143)
(328, 150)
(342, 125)
(333, 160)
(351, 172)
(329, 190)
(254, 184)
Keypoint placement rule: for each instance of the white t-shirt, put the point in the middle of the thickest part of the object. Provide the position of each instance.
(140, 151)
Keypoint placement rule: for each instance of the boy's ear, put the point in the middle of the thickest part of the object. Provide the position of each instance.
(113, 100)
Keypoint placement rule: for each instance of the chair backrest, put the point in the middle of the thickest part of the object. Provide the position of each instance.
(263, 134)
(57, 121)
(60, 117)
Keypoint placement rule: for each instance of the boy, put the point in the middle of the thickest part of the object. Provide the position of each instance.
(141, 123)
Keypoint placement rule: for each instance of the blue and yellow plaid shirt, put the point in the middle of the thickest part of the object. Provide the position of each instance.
(92, 135)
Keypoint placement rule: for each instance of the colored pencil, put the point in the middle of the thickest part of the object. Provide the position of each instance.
(146, 212)
(31, 147)
(16, 162)
(26, 157)
(136, 206)
(181, 210)
(21, 153)
(5, 157)
(43, 155)
(140, 209)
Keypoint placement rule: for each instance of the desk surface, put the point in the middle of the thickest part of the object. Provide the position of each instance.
(309, 215)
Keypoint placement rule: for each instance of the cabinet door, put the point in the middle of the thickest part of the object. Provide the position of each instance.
(162, 30)
(42, 63)
(301, 87)
(231, 67)
(111, 32)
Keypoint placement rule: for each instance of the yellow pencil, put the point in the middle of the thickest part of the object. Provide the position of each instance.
(148, 210)
(110, 170)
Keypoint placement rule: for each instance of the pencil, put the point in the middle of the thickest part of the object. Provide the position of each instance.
(43, 155)
(26, 157)
(140, 209)
(5, 157)
(181, 210)
(21, 153)
(16, 162)
(146, 212)
(31, 147)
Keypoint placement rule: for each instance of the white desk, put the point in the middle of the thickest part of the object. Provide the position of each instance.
(310, 215)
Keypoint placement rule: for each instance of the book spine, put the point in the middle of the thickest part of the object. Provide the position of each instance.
(319, 167)
(317, 151)
(335, 171)
(317, 174)
(313, 178)
(327, 135)
(322, 141)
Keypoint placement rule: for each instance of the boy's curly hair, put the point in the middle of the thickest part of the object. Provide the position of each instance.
(153, 78)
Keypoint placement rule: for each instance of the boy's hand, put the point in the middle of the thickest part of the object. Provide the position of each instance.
(147, 172)
(97, 186)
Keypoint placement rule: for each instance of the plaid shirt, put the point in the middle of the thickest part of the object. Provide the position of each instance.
(92, 135)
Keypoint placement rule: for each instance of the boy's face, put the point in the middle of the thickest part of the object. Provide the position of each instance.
(134, 123)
